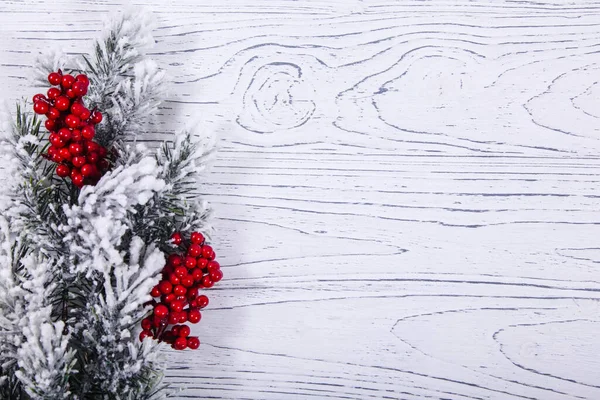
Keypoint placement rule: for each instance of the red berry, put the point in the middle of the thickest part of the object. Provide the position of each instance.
(93, 157)
(77, 179)
(180, 271)
(77, 108)
(79, 88)
(76, 149)
(39, 97)
(183, 317)
(206, 251)
(88, 170)
(180, 343)
(91, 146)
(88, 132)
(55, 140)
(187, 281)
(197, 238)
(202, 301)
(184, 331)
(177, 306)
(83, 79)
(161, 311)
(165, 286)
(193, 342)
(53, 93)
(96, 117)
(175, 260)
(216, 275)
(194, 316)
(65, 134)
(155, 290)
(144, 334)
(53, 113)
(78, 162)
(62, 103)
(65, 154)
(179, 290)
(67, 81)
(173, 318)
(169, 298)
(176, 238)
(63, 171)
(213, 265)
(207, 282)
(85, 114)
(50, 124)
(40, 107)
(192, 293)
(195, 250)
(52, 150)
(174, 279)
(146, 324)
(201, 263)
(212, 255)
(72, 121)
(54, 78)
(197, 274)
(76, 134)
(190, 262)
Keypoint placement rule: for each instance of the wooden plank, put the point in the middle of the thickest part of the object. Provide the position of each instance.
(407, 192)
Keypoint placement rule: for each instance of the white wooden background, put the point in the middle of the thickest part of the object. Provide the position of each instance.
(407, 191)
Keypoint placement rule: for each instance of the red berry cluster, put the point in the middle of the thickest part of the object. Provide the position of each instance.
(183, 276)
(71, 127)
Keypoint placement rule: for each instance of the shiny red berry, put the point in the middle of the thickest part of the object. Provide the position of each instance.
(76, 149)
(180, 343)
(207, 282)
(54, 78)
(195, 250)
(161, 310)
(65, 134)
(50, 124)
(72, 121)
(93, 157)
(184, 331)
(193, 342)
(174, 279)
(65, 154)
(144, 334)
(77, 108)
(53, 113)
(197, 274)
(194, 316)
(79, 88)
(63, 171)
(88, 132)
(62, 103)
(176, 238)
(53, 93)
(85, 114)
(40, 107)
(183, 317)
(173, 318)
(155, 290)
(146, 324)
(165, 286)
(83, 79)
(201, 263)
(55, 140)
(175, 260)
(67, 81)
(179, 290)
(202, 301)
(38, 97)
(169, 298)
(77, 179)
(216, 275)
(213, 266)
(79, 161)
(187, 281)
(197, 238)
(180, 271)
(177, 306)
(96, 117)
(190, 262)
(206, 251)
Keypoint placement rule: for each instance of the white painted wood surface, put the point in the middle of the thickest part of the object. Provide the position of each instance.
(407, 191)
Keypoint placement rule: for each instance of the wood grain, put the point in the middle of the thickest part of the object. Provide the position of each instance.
(407, 191)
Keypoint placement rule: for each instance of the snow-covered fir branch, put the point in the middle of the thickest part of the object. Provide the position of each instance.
(125, 85)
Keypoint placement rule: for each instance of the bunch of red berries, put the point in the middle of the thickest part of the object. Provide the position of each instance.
(179, 302)
(71, 127)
